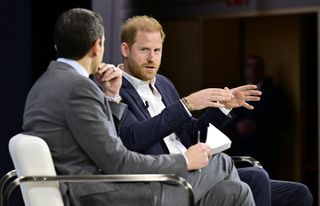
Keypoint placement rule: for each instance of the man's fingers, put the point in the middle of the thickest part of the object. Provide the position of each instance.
(248, 106)
(252, 98)
(246, 87)
(253, 92)
(108, 72)
(111, 75)
(106, 68)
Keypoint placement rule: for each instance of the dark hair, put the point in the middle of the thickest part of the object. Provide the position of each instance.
(75, 32)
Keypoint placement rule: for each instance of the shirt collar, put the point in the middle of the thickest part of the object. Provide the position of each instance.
(74, 64)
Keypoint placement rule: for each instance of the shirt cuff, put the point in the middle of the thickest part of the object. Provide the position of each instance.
(225, 111)
(114, 99)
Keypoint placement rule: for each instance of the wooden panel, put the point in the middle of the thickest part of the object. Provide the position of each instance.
(221, 52)
(181, 60)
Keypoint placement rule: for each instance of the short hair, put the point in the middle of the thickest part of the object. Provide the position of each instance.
(139, 23)
(75, 32)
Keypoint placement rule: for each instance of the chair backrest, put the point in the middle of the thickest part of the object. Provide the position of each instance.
(31, 157)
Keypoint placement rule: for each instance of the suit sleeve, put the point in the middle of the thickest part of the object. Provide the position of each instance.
(90, 121)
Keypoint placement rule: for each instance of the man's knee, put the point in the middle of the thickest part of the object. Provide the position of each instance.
(235, 191)
(305, 195)
(254, 177)
(258, 180)
(260, 177)
(223, 156)
(224, 159)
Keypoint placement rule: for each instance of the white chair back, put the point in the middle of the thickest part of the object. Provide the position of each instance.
(31, 157)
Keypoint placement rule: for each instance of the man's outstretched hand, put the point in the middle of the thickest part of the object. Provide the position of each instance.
(241, 96)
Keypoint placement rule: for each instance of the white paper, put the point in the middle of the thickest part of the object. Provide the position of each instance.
(217, 140)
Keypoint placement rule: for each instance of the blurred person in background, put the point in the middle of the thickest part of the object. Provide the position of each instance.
(255, 132)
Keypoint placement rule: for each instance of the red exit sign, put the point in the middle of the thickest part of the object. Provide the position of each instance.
(236, 3)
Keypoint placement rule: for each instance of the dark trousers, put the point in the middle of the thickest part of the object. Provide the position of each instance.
(267, 192)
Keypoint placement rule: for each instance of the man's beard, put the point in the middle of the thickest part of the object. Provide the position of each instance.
(140, 71)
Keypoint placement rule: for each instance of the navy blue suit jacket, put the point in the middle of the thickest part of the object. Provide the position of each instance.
(139, 132)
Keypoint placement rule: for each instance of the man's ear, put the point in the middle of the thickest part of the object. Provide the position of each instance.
(124, 49)
(96, 46)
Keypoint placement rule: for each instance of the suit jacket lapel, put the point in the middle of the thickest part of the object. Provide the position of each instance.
(164, 96)
(135, 97)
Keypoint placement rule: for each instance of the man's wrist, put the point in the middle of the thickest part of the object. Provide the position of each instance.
(185, 107)
(186, 158)
(225, 110)
(186, 103)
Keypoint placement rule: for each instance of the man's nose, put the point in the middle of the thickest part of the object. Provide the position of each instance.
(151, 56)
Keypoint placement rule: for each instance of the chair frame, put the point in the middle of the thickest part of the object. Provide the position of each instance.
(125, 178)
(5, 192)
(251, 160)
(3, 182)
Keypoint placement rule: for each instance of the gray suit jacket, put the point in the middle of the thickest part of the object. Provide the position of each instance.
(73, 116)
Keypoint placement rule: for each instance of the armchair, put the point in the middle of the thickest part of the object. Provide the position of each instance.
(39, 182)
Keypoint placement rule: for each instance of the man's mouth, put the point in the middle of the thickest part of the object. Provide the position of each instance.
(149, 67)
